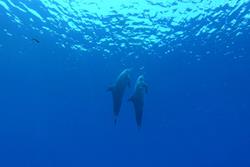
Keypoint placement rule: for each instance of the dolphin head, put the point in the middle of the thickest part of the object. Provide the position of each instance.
(141, 78)
(128, 70)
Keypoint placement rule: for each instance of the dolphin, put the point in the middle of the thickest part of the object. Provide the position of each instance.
(138, 99)
(118, 90)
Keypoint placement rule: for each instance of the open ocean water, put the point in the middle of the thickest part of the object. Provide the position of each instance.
(58, 57)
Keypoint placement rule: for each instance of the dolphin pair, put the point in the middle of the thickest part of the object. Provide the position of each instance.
(118, 90)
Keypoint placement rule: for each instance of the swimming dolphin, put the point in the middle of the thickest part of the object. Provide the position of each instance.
(138, 99)
(118, 89)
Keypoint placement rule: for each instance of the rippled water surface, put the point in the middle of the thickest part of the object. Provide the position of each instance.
(111, 27)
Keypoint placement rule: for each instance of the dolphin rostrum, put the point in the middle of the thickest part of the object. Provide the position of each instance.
(138, 99)
(118, 90)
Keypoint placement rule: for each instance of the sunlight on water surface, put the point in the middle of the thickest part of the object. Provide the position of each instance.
(98, 25)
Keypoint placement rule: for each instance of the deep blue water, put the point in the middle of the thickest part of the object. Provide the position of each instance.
(54, 108)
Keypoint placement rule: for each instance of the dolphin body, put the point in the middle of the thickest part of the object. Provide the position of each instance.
(138, 99)
(118, 90)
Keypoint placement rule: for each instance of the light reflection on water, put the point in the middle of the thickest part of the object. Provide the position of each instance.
(128, 23)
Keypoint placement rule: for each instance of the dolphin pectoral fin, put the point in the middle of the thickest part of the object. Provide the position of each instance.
(110, 88)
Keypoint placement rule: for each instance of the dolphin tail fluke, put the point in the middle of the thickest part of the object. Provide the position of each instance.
(138, 123)
(138, 128)
(115, 120)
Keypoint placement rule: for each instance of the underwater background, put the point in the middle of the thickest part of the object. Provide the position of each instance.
(57, 58)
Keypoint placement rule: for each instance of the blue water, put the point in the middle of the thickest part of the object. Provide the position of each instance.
(54, 108)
